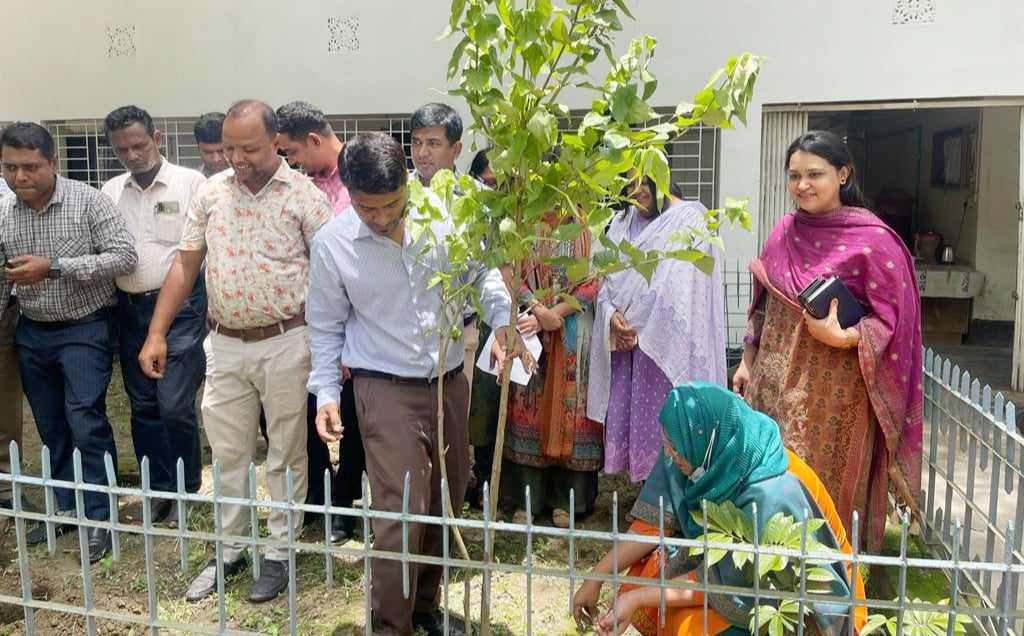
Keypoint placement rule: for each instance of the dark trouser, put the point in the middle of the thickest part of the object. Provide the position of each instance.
(10, 394)
(398, 421)
(346, 483)
(164, 423)
(65, 371)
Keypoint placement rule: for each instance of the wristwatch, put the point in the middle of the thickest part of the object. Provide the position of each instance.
(54, 271)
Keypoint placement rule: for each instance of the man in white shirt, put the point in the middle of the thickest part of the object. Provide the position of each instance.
(154, 197)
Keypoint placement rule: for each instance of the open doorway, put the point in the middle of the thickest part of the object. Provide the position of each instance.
(947, 180)
(946, 175)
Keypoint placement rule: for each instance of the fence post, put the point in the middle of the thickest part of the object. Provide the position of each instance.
(115, 537)
(147, 546)
(179, 469)
(20, 533)
(289, 484)
(83, 544)
(254, 525)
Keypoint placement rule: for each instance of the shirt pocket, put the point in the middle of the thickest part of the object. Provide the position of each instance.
(168, 226)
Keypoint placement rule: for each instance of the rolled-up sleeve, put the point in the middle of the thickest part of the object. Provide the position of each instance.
(327, 311)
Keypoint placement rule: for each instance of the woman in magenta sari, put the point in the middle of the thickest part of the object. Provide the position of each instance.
(847, 400)
(649, 338)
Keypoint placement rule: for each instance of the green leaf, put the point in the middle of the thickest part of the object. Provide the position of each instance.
(544, 128)
(873, 623)
(578, 270)
(456, 58)
(740, 558)
(621, 4)
(503, 12)
(715, 555)
(615, 140)
(820, 575)
(622, 101)
(458, 6)
(568, 231)
(571, 300)
(535, 57)
(770, 563)
(649, 82)
(560, 30)
(476, 78)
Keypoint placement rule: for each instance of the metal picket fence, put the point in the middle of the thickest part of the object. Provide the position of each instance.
(972, 482)
(996, 613)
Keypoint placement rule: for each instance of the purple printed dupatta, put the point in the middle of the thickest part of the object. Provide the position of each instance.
(871, 259)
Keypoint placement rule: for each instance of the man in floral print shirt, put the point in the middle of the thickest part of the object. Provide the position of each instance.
(253, 224)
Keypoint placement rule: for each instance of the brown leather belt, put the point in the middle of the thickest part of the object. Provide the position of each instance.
(380, 375)
(255, 334)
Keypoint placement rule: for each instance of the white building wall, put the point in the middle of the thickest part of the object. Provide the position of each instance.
(195, 55)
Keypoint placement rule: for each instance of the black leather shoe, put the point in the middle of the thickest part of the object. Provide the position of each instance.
(99, 543)
(433, 623)
(342, 529)
(205, 582)
(161, 509)
(475, 498)
(37, 533)
(273, 580)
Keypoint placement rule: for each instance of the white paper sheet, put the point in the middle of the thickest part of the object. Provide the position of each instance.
(519, 374)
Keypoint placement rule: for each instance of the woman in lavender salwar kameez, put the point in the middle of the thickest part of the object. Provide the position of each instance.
(649, 338)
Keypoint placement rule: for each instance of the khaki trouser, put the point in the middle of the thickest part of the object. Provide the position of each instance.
(398, 421)
(10, 395)
(240, 376)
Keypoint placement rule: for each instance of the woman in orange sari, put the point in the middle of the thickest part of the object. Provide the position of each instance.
(715, 448)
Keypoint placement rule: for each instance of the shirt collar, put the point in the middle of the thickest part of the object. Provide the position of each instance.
(162, 176)
(58, 191)
(284, 174)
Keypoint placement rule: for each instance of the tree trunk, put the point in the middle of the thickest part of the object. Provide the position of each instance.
(499, 447)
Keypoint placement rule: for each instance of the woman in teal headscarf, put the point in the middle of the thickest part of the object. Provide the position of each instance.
(715, 448)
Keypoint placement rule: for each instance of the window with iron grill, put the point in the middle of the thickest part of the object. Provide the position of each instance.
(692, 158)
(84, 154)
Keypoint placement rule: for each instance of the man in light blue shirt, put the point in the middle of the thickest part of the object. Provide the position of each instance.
(369, 307)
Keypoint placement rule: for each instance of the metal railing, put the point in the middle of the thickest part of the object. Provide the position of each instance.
(974, 474)
(997, 613)
(972, 481)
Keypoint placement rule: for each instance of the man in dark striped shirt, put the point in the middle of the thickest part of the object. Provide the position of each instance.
(62, 244)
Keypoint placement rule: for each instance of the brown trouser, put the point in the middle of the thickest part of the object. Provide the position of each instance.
(398, 421)
(10, 394)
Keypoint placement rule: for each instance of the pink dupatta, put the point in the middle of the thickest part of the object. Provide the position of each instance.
(871, 259)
